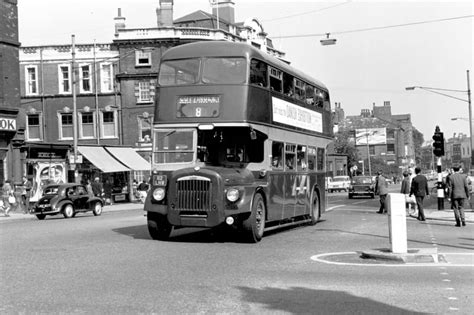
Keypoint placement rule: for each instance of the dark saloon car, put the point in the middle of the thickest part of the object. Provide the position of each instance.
(362, 186)
(66, 199)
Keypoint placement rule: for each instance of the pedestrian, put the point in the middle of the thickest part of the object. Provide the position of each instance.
(97, 188)
(142, 190)
(419, 188)
(108, 192)
(458, 191)
(381, 189)
(89, 188)
(405, 189)
(25, 194)
(7, 197)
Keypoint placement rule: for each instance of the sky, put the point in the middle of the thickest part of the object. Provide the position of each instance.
(382, 46)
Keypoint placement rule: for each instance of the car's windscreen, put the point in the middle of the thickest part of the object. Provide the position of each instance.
(52, 190)
(336, 179)
(362, 180)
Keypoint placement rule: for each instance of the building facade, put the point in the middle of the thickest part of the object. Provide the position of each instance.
(379, 134)
(12, 125)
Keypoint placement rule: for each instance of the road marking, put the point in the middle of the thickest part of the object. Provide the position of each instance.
(333, 207)
(358, 202)
(321, 258)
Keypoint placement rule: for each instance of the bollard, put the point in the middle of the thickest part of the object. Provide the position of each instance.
(397, 223)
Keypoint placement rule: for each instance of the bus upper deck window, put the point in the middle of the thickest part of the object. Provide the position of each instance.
(224, 70)
(178, 72)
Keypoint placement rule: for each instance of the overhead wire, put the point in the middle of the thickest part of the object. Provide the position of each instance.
(377, 27)
(305, 13)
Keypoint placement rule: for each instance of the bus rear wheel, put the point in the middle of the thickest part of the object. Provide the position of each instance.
(254, 225)
(314, 209)
(158, 226)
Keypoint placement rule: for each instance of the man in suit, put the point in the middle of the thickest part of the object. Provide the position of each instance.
(381, 189)
(419, 188)
(458, 191)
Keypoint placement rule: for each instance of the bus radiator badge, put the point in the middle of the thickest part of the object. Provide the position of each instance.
(197, 168)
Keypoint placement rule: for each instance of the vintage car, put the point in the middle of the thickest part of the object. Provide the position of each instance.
(362, 186)
(338, 183)
(66, 199)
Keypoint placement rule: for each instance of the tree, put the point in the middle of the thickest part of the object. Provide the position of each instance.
(417, 143)
(344, 144)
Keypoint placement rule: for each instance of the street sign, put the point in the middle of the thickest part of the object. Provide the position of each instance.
(78, 159)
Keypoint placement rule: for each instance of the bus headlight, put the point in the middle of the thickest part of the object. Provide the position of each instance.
(232, 194)
(159, 193)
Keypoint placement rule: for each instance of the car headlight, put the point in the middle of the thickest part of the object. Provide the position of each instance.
(232, 195)
(159, 193)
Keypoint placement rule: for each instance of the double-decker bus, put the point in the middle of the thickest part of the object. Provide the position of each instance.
(239, 138)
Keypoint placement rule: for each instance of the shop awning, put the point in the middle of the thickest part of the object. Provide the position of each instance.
(102, 159)
(130, 158)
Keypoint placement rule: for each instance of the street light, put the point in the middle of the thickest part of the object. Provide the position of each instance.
(468, 101)
(460, 118)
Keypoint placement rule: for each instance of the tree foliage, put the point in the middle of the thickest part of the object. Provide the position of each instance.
(344, 144)
(417, 143)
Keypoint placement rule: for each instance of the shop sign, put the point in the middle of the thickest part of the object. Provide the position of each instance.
(7, 124)
(78, 159)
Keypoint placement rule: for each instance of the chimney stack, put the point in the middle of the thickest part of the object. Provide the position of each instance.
(164, 14)
(119, 22)
(226, 10)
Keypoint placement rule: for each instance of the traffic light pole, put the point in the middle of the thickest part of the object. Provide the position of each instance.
(438, 151)
(439, 186)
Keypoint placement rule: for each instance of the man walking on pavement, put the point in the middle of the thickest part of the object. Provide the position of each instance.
(381, 189)
(458, 191)
(419, 188)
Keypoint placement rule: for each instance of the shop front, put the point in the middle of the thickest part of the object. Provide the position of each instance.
(114, 166)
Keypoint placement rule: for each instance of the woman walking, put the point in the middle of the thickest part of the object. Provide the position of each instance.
(7, 197)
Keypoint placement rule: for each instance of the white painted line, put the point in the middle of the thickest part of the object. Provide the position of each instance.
(453, 309)
(320, 258)
(452, 298)
(449, 288)
(333, 207)
(359, 202)
(446, 280)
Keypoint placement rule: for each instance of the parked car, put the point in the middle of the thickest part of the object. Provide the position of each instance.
(362, 186)
(339, 183)
(66, 199)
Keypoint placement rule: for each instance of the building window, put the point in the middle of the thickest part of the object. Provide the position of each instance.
(371, 149)
(34, 127)
(109, 126)
(142, 58)
(85, 78)
(86, 125)
(144, 128)
(390, 134)
(64, 78)
(65, 126)
(391, 148)
(31, 80)
(144, 95)
(106, 75)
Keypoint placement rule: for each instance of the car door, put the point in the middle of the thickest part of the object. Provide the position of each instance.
(82, 197)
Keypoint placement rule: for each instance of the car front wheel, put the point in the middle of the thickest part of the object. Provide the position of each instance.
(97, 209)
(254, 225)
(68, 211)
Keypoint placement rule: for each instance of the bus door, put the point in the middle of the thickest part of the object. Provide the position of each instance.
(301, 183)
(291, 178)
(276, 195)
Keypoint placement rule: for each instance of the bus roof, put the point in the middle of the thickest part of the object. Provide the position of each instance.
(232, 49)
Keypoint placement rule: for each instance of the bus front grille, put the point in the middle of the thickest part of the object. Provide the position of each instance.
(193, 195)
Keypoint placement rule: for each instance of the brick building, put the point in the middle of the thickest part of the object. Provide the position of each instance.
(11, 118)
(380, 134)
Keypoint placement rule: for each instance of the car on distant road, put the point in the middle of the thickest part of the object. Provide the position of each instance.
(66, 199)
(338, 183)
(362, 186)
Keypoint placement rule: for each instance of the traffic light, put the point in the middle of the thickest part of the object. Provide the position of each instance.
(438, 144)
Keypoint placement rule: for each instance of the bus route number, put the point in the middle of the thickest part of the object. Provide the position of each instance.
(198, 106)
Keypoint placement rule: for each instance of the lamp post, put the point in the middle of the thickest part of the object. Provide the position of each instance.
(363, 168)
(468, 101)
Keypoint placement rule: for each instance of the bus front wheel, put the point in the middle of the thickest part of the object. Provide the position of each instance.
(314, 209)
(158, 226)
(254, 225)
